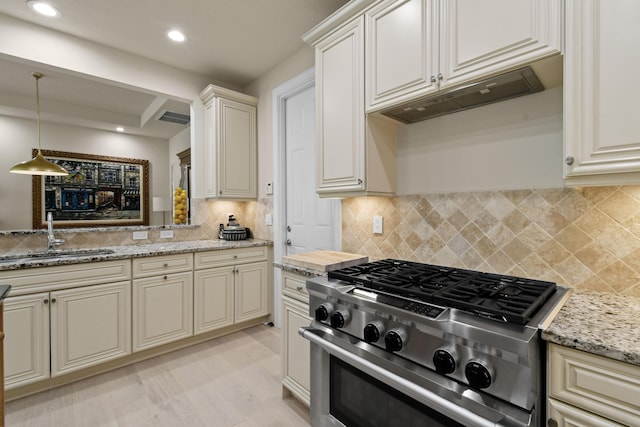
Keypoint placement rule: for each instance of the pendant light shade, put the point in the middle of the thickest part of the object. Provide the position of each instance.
(38, 165)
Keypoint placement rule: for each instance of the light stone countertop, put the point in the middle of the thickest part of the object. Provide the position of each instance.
(308, 272)
(604, 324)
(137, 251)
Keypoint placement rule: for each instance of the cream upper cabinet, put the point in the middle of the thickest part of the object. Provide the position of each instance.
(481, 38)
(601, 126)
(355, 154)
(231, 144)
(415, 47)
(591, 390)
(401, 51)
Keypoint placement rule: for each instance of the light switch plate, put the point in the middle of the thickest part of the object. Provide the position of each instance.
(377, 225)
(269, 188)
(268, 219)
(140, 235)
(166, 234)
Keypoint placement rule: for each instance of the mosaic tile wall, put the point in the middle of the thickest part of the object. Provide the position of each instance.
(585, 238)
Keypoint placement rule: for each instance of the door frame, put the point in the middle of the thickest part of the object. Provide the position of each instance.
(297, 84)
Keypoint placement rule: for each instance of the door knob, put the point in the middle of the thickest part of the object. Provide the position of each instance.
(288, 242)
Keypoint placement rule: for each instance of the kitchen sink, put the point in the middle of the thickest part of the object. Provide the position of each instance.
(54, 254)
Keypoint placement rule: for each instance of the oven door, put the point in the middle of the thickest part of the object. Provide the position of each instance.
(355, 384)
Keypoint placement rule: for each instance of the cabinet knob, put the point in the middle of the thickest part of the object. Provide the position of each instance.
(165, 277)
(165, 265)
(433, 79)
(288, 242)
(288, 228)
(46, 301)
(569, 160)
(299, 288)
(552, 423)
(235, 256)
(440, 76)
(53, 300)
(359, 181)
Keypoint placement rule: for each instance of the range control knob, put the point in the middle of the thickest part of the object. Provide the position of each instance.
(478, 375)
(395, 339)
(444, 360)
(323, 312)
(339, 319)
(373, 331)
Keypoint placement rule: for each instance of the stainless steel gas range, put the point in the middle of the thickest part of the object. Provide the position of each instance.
(398, 343)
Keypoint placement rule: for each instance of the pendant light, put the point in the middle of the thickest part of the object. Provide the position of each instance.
(38, 165)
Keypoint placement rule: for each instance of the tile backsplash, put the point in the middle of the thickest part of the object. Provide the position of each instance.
(586, 238)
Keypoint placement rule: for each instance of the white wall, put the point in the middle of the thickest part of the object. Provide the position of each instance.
(513, 144)
(18, 137)
(263, 89)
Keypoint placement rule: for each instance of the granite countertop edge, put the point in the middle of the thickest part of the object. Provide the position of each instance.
(139, 251)
(309, 272)
(604, 324)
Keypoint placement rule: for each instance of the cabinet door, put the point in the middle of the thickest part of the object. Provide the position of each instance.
(251, 291)
(401, 51)
(237, 150)
(213, 299)
(602, 131)
(569, 416)
(26, 345)
(479, 38)
(340, 109)
(162, 309)
(296, 369)
(89, 325)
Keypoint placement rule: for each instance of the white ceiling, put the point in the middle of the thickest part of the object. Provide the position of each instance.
(231, 41)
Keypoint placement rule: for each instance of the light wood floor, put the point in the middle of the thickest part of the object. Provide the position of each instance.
(230, 381)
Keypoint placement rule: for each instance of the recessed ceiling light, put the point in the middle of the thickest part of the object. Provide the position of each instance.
(44, 8)
(120, 129)
(176, 36)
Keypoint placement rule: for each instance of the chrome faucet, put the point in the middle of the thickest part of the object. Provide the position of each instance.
(52, 242)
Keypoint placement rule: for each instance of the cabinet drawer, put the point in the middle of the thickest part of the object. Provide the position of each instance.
(157, 265)
(229, 257)
(294, 286)
(597, 384)
(52, 278)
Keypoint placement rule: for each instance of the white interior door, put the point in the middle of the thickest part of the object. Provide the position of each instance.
(315, 223)
(310, 221)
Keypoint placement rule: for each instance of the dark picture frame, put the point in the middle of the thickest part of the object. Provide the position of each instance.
(99, 191)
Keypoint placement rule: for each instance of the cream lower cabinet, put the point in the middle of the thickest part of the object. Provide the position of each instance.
(61, 319)
(296, 369)
(590, 390)
(230, 286)
(601, 127)
(162, 300)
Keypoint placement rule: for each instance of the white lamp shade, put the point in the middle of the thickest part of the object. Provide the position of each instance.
(161, 204)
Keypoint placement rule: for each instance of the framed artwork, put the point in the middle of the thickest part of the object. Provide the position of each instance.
(99, 191)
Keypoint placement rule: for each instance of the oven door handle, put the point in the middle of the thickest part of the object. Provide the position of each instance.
(436, 402)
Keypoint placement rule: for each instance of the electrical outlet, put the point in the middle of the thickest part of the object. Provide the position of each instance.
(377, 225)
(140, 235)
(268, 219)
(269, 188)
(166, 234)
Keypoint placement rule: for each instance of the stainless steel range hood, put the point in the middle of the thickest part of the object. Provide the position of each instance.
(499, 88)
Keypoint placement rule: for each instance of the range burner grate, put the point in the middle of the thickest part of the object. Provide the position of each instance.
(505, 298)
